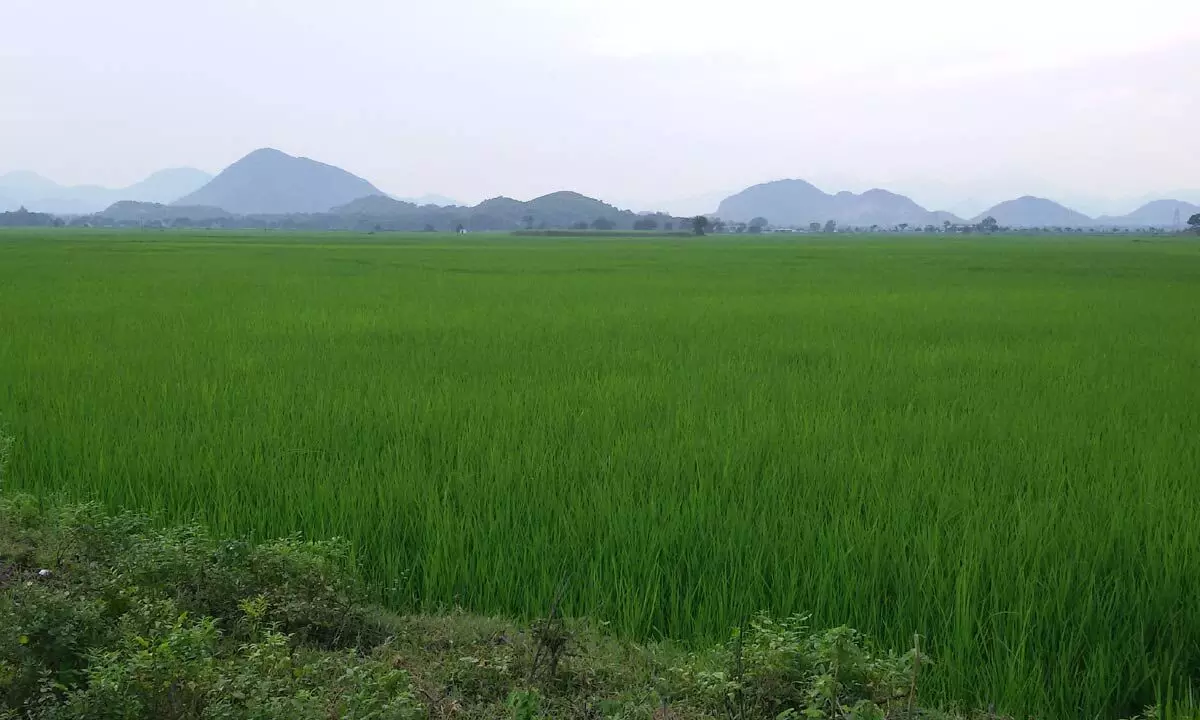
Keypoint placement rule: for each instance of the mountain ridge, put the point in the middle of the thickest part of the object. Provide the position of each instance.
(269, 181)
(24, 188)
(796, 202)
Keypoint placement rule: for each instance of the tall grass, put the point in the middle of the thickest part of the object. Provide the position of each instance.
(992, 443)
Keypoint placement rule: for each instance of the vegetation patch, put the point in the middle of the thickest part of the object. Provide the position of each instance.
(989, 442)
(104, 617)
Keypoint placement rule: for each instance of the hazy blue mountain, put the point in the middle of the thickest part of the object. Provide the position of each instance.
(268, 181)
(565, 206)
(557, 210)
(25, 183)
(377, 206)
(1029, 211)
(41, 194)
(1158, 213)
(131, 211)
(166, 186)
(799, 203)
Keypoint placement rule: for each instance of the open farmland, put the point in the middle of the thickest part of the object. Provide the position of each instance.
(994, 443)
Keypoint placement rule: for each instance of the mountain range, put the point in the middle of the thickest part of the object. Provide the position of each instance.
(799, 203)
(40, 194)
(268, 183)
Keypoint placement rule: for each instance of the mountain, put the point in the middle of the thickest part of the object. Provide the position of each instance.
(166, 186)
(270, 182)
(1029, 211)
(562, 209)
(41, 194)
(1158, 213)
(376, 206)
(799, 203)
(26, 183)
(128, 211)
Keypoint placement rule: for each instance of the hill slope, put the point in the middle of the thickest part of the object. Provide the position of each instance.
(44, 195)
(1159, 213)
(798, 203)
(131, 211)
(1029, 211)
(376, 206)
(270, 182)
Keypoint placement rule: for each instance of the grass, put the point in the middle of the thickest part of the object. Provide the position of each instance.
(987, 442)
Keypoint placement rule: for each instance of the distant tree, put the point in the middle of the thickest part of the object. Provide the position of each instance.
(603, 223)
(946, 225)
(581, 225)
(699, 225)
(874, 228)
(831, 226)
(429, 228)
(668, 225)
(989, 224)
(528, 220)
(902, 226)
(814, 227)
(758, 222)
(645, 223)
(930, 228)
(739, 228)
(1194, 222)
(718, 226)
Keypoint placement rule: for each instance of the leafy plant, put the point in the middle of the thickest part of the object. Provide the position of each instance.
(783, 669)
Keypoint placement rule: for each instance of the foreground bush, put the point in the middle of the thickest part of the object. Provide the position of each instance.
(104, 617)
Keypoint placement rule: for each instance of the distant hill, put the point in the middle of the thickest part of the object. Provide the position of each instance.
(127, 211)
(1158, 213)
(41, 194)
(376, 206)
(557, 210)
(166, 186)
(1029, 211)
(270, 182)
(799, 203)
(565, 207)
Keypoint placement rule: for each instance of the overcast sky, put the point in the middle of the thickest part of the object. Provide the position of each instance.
(957, 102)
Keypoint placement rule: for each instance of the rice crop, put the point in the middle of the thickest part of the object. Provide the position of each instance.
(993, 443)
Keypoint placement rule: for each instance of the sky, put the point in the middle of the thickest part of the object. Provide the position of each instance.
(650, 104)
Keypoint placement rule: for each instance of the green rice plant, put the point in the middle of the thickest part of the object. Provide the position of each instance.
(989, 442)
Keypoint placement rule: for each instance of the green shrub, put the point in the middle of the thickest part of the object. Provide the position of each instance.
(103, 617)
(782, 669)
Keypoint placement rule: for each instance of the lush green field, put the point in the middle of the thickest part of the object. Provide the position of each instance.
(994, 443)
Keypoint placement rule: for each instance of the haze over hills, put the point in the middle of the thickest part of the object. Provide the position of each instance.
(799, 203)
(40, 194)
(1029, 211)
(556, 210)
(430, 199)
(268, 181)
(1157, 213)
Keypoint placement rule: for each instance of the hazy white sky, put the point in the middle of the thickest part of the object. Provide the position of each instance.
(634, 101)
